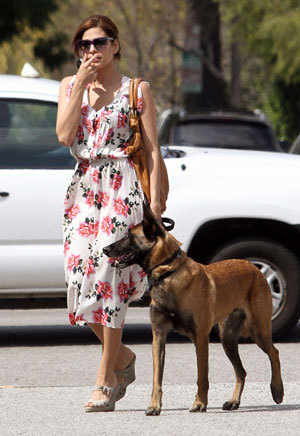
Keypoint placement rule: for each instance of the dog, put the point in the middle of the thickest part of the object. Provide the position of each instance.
(191, 298)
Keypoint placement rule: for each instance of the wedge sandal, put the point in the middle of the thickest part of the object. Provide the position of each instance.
(129, 377)
(104, 405)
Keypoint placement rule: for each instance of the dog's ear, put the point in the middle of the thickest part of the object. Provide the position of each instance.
(151, 227)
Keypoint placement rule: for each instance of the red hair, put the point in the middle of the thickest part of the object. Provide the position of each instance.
(104, 23)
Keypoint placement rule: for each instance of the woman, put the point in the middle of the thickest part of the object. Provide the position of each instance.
(104, 198)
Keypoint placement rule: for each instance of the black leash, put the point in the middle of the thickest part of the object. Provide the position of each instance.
(166, 221)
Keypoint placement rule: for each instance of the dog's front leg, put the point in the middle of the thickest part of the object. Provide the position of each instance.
(159, 333)
(200, 403)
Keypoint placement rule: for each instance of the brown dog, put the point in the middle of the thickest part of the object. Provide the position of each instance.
(191, 298)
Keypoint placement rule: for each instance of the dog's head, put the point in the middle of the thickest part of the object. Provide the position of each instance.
(145, 244)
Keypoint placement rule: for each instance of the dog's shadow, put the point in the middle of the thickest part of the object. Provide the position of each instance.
(218, 410)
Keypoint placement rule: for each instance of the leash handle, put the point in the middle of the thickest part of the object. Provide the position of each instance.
(167, 223)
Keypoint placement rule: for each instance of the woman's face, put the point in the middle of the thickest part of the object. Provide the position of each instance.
(105, 53)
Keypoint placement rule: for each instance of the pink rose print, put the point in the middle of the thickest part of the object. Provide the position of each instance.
(84, 166)
(105, 290)
(139, 104)
(79, 318)
(100, 316)
(105, 114)
(73, 261)
(90, 199)
(120, 207)
(103, 198)
(99, 141)
(80, 134)
(66, 247)
(96, 228)
(123, 291)
(90, 267)
(86, 229)
(116, 182)
(107, 225)
(96, 123)
(95, 175)
(84, 110)
(109, 135)
(142, 273)
(87, 124)
(121, 120)
(72, 318)
(73, 211)
(130, 161)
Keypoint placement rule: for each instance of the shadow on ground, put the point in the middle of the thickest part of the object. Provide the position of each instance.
(68, 335)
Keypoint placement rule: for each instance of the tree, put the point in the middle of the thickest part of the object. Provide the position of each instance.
(23, 36)
(16, 14)
(269, 33)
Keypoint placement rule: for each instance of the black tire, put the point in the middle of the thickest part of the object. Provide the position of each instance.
(285, 269)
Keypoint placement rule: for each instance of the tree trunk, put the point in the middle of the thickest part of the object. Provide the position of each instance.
(213, 94)
(236, 65)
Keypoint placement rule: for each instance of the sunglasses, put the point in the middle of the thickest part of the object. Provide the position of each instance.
(98, 43)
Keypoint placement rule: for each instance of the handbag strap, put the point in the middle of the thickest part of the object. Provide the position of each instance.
(133, 95)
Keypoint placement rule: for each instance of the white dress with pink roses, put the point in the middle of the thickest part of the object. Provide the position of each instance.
(103, 201)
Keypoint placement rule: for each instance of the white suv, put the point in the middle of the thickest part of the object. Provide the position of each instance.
(226, 203)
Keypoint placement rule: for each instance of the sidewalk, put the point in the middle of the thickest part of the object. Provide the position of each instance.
(51, 411)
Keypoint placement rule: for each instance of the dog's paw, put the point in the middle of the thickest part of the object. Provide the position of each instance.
(277, 393)
(230, 405)
(152, 411)
(197, 408)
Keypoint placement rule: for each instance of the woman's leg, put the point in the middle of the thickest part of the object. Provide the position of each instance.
(125, 355)
(113, 357)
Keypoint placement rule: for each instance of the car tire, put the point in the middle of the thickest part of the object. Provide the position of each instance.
(282, 271)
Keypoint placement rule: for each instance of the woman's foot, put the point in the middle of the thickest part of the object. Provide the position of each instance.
(103, 394)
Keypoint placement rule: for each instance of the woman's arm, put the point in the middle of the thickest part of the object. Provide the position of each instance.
(68, 113)
(149, 135)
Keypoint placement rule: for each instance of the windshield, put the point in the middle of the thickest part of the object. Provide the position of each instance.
(224, 134)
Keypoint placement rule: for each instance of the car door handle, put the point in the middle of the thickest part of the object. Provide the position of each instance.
(4, 194)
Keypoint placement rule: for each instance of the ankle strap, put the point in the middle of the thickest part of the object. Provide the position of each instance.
(105, 389)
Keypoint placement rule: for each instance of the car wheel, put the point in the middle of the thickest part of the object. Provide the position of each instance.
(282, 271)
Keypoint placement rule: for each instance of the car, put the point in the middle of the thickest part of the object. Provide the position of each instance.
(225, 203)
(221, 129)
(295, 147)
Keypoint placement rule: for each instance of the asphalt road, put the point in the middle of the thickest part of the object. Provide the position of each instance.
(47, 370)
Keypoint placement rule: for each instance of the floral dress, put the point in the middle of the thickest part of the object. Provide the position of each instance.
(103, 200)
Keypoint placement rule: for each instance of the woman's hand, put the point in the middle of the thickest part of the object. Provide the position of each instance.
(87, 71)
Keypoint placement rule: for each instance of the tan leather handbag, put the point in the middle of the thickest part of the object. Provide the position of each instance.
(137, 151)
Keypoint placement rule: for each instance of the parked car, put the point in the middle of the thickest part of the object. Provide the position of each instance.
(221, 129)
(226, 203)
(295, 147)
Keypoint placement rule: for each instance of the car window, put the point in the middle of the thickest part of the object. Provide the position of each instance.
(228, 134)
(28, 138)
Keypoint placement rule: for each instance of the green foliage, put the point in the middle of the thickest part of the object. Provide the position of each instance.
(270, 30)
(52, 51)
(15, 14)
(283, 108)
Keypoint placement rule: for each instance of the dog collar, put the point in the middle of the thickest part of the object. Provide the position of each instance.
(153, 281)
